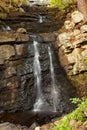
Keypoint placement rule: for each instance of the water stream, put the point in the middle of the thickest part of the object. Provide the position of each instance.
(40, 99)
(53, 83)
(42, 19)
(37, 74)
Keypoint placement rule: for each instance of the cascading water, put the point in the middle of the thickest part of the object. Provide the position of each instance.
(6, 28)
(40, 19)
(37, 74)
(53, 83)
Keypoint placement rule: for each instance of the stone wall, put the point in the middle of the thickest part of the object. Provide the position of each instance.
(72, 46)
(10, 72)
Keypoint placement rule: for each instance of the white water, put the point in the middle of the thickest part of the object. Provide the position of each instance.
(53, 84)
(37, 74)
(40, 19)
(6, 28)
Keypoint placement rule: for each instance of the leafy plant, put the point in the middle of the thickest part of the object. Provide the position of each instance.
(77, 114)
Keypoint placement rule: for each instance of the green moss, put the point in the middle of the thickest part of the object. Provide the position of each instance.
(77, 115)
(60, 3)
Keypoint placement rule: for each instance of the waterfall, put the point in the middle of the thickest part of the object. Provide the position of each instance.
(53, 84)
(40, 19)
(37, 74)
(6, 28)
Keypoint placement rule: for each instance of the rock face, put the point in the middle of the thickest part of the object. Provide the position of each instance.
(9, 126)
(17, 83)
(72, 46)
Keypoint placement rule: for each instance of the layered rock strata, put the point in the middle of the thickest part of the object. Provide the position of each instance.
(72, 46)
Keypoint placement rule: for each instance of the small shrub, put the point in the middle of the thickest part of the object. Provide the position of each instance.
(77, 114)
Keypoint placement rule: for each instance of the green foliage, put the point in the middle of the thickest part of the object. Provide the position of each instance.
(76, 100)
(77, 114)
(60, 3)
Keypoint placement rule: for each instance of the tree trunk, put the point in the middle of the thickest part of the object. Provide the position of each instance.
(82, 7)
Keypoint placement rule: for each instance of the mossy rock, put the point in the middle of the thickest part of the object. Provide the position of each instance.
(80, 82)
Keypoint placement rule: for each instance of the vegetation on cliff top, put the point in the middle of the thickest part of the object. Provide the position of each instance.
(60, 3)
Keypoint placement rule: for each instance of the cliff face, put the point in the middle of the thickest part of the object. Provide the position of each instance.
(72, 50)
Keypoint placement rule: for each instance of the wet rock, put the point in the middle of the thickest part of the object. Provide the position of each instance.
(25, 67)
(77, 17)
(9, 71)
(1, 61)
(37, 38)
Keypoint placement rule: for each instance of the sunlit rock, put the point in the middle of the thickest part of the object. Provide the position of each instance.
(72, 123)
(76, 32)
(83, 28)
(84, 46)
(21, 30)
(38, 128)
(64, 37)
(79, 67)
(79, 39)
(85, 113)
(68, 46)
(77, 17)
(71, 58)
(69, 24)
(7, 51)
(84, 53)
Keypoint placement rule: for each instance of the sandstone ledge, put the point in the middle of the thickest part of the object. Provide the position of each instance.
(13, 37)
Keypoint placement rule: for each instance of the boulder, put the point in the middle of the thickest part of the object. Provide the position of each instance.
(69, 24)
(83, 28)
(77, 16)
